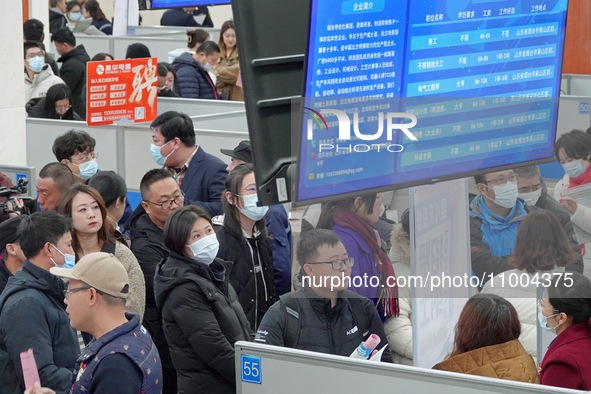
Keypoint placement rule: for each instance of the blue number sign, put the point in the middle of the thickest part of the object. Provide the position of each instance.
(251, 369)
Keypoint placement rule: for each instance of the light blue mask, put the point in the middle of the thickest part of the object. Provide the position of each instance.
(543, 320)
(205, 249)
(251, 210)
(87, 169)
(36, 64)
(69, 259)
(75, 16)
(157, 154)
(208, 67)
(574, 169)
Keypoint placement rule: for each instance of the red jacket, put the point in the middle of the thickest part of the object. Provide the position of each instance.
(566, 363)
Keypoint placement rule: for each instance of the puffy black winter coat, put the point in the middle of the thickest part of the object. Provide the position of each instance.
(202, 320)
(256, 293)
(73, 72)
(192, 81)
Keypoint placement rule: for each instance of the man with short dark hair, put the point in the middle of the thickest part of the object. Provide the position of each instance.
(161, 196)
(277, 223)
(11, 254)
(73, 71)
(53, 180)
(34, 30)
(75, 149)
(32, 310)
(38, 75)
(532, 189)
(192, 72)
(122, 358)
(200, 175)
(322, 316)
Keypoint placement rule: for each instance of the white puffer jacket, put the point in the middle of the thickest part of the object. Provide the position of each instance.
(38, 86)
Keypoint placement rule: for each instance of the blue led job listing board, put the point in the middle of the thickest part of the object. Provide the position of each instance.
(479, 79)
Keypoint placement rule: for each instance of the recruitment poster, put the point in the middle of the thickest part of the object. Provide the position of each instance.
(119, 89)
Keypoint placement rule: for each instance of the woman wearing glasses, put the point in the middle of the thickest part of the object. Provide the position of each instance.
(57, 104)
(201, 315)
(565, 309)
(244, 240)
(353, 219)
(93, 233)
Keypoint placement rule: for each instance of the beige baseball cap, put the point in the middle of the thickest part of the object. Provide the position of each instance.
(103, 271)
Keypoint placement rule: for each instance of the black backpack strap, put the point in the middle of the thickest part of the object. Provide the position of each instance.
(357, 307)
(293, 323)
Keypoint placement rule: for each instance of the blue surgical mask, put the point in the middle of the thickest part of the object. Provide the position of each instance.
(87, 169)
(157, 154)
(543, 320)
(36, 64)
(69, 259)
(75, 16)
(250, 208)
(208, 67)
(505, 195)
(574, 169)
(205, 249)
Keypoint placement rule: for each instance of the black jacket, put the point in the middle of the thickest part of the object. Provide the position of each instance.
(256, 293)
(33, 315)
(178, 17)
(56, 21)
(324, 329)
(148, 247)
(73, 72)
(202, 320)
(192, 81)
(35, 107)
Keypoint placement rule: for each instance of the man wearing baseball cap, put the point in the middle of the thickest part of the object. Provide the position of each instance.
(11, 254)
(122, 358)
(277, 224)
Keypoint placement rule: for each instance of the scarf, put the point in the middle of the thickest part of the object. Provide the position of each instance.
(387, 302)
(582, 179)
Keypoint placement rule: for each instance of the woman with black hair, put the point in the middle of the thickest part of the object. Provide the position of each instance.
(92, 9)
(244, 240)
(565, 309)
(353, 219)
(201, 315)
(57, 104)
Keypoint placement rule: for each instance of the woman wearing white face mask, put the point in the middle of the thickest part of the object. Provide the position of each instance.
(201, 315)
(565, 309)
(73, 13)
(542, 250)
(245, 241)
(573, 151)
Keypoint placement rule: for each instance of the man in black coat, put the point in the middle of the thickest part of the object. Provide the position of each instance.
(157, 187)
(57, 19)
(73, 71)
(323, 316)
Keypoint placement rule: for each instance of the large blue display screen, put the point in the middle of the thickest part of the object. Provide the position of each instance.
(474, 83)
(158, 4)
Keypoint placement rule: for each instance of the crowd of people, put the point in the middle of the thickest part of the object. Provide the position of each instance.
(153, 299)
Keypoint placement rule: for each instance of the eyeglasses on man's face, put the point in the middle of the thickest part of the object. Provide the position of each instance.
(166, 205)
(337, 264)
(74, 290)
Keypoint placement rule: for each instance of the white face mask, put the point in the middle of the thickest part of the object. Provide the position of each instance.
(543, 320)
(574, 168)
(505, 195)
(531, 198)
(205, 249)
(251, 210)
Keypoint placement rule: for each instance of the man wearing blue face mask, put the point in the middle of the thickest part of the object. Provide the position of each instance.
(201, 176)
(75, 149)
(193, 72)
(495, 216)
(32, 310)
(38, 75)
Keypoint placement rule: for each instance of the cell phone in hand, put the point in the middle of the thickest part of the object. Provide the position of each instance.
(30, 372)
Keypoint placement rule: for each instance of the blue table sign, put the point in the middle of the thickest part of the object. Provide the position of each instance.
(251, 369)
